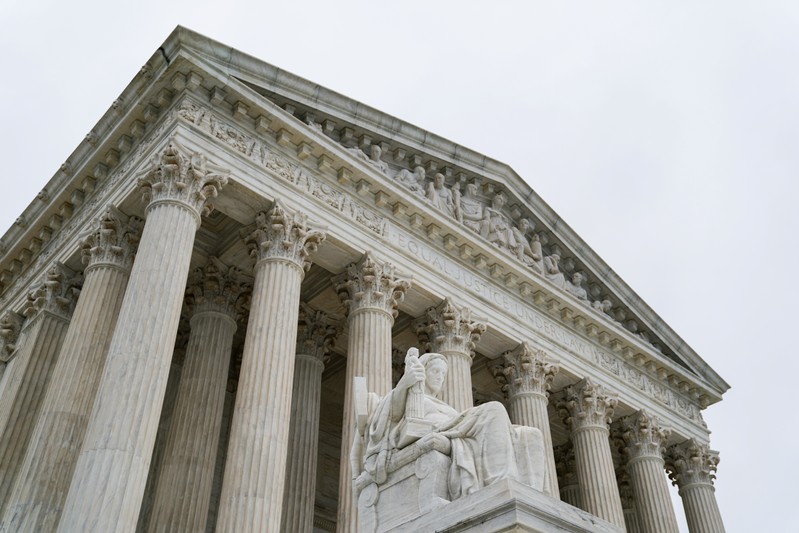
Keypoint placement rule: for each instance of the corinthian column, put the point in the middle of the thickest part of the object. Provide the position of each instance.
(41, 487)
(370, 290)
(450, 331)
(628, 502)
(586, 408)
(109, 480)
(183, 489)
(643, 441)
(315, 337)
(525, 375)
(255, 470)
(692, 467)
(47, 313)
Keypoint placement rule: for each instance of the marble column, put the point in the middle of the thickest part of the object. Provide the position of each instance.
(628, 502)
(255, 470)
(450, 331)
(47, 313)
(315, 336)
(45, 474)
(587, 409)
(642, 442)
(525, 375)
(692, 468)
(110, 476)
(370, 291)
(183, 488)
(567, 474)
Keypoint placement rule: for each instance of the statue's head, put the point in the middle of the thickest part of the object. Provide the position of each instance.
(435, 370)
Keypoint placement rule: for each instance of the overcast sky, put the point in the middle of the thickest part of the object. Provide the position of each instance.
(664, 133)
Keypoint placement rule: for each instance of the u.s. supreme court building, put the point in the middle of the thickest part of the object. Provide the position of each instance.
(185, 305)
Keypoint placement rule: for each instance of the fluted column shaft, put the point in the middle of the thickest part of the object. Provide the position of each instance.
(252, 490)
(525, 375)
(651, 494)
(315, 336)
(29, 373)
(567, 474)
(298, 504)
(42, 485)
(107, 488)
(457, 389)
(115, 457)
(587, 409)
(692, 467)
(370, 291)
(701, 508)
(530, 409)
(255, 469)
(368, 355)
(183, 489)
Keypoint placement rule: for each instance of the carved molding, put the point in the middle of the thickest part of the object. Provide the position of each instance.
(447, 328)
(690, 462)
(283, 234)
(586, 404)
(114, 241)
(57, 294)
(525, 370)
(10, 327)
(641, 435)
(185, 178)
(371, 284)
(219, 288)
(316, 333)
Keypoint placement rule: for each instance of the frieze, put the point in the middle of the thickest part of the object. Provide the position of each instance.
(260, 153)
(544, 325)
(88, 210)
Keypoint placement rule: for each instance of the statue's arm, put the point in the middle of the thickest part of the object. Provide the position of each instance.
(414, 373)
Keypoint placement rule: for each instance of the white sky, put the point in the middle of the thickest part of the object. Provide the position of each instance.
(664, 133)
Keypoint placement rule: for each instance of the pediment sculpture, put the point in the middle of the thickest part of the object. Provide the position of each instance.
(413, 453)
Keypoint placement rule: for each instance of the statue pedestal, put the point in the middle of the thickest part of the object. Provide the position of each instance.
(507, 506)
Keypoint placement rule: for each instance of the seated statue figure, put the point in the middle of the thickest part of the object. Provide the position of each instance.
(470, 450)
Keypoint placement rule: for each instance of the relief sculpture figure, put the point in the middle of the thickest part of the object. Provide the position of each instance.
(412, 180)
(496, 226)
(440, 196)
(528, 252)
(470, 208)
(479, 445)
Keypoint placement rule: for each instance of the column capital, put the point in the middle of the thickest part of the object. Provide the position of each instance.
(371, 284)
(113, 241)
(217, 287)
(565, 464)
(10, 326)
(282, 234)
(56, 294)
(448, 328)
(316, 333)
(586, 404)
(179, 177)
(641, 435)
(690, 462)
(525, 370)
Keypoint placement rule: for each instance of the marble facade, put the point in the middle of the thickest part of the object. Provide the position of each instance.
(185, 305)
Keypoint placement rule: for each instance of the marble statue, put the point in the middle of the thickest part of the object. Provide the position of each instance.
(470, 208)
(412, 180)
(575, 286)
(552, 270)
(528, 252)
(603, 306)
(496, 226)
(481, 444)
(440, 196)
(375, 154)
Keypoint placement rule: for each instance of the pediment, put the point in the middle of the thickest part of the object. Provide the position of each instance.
(397, 164)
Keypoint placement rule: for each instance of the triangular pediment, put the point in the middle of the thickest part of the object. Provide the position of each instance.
(477, 198)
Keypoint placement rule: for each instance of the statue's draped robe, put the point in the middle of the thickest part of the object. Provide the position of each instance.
(486, 447)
